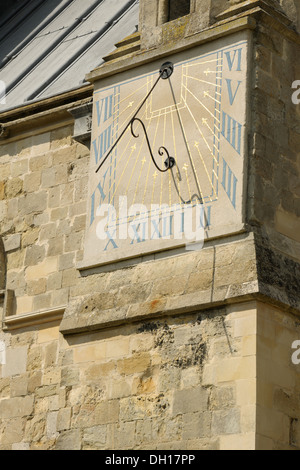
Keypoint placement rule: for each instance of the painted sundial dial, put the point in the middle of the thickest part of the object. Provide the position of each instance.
(196, 117)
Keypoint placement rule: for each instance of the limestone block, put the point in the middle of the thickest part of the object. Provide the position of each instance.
(19, 386)
(40, 144)
(64, 419)
(16, 407)
(33, 202)
(108, 412)
(54, 197)
(19, 168)
(13, 431)
(35, 428)
(12, 242)
(60, 297)
(51, 426)
(21, 446)
(134, 364)
(239, 442)
(95, 437)
(24, 304)
(66, 262)
(124, 435)
(226, 422)
(55, 246)
(42, 301)
(48, 334)
(69, 376)
(16, 362)
(61, 138)
(47, 391)
(13, 187)
(90, 353)
(190, 400)
(39, 163)
(36, 287)
(197, 425)
(30, 237)
(43, 269)
(117, 348)
(50, 355)
(73, 242)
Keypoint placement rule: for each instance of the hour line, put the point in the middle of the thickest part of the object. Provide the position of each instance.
(142, 166)
(206, 94)
(175, 150)
(125, 109)
(200, 131)
(202, 81)
(134, 166)
(201, 63)
(135, 91)
(190, 153)
(209, 178)
(122, 155)
(149, 166)
(200, 102)
(185, 168)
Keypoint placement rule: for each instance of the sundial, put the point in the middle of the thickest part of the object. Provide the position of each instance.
(165, 139)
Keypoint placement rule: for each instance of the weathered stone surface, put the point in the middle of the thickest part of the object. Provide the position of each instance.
(16, 407)
(16, 362)
(185, 351)
(69, 440)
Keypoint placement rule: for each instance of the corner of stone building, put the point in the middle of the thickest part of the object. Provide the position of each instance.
(273, 201)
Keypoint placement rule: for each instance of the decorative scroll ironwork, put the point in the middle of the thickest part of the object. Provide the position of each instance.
(170, 161)
(165, 72)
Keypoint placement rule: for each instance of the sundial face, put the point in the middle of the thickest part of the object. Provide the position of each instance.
(199, 116)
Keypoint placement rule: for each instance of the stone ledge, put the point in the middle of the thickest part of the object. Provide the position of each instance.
(156, 53)
(213, 277)
(34, 318)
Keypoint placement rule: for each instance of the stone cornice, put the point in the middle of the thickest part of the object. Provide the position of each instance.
(35, 318)
(42, 116)
(144, 57)
(242, 17)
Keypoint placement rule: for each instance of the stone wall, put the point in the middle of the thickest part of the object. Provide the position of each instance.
(274, 165)
(277, 419)
(191, 351)
(174, 383)
(43, 211)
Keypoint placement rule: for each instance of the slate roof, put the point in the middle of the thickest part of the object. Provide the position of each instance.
(48, 46)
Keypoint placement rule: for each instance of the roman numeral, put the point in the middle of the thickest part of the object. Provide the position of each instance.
(105, 108)
(102, 143)
(229, 183)
(232, 95)
(100, 189)
(232, 131)
(232, 57)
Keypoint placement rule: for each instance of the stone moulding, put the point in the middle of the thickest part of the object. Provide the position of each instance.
(76, 322)
(31, 319)
(42, 116)
(224, 286)
(245, 17)
(195, 39)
